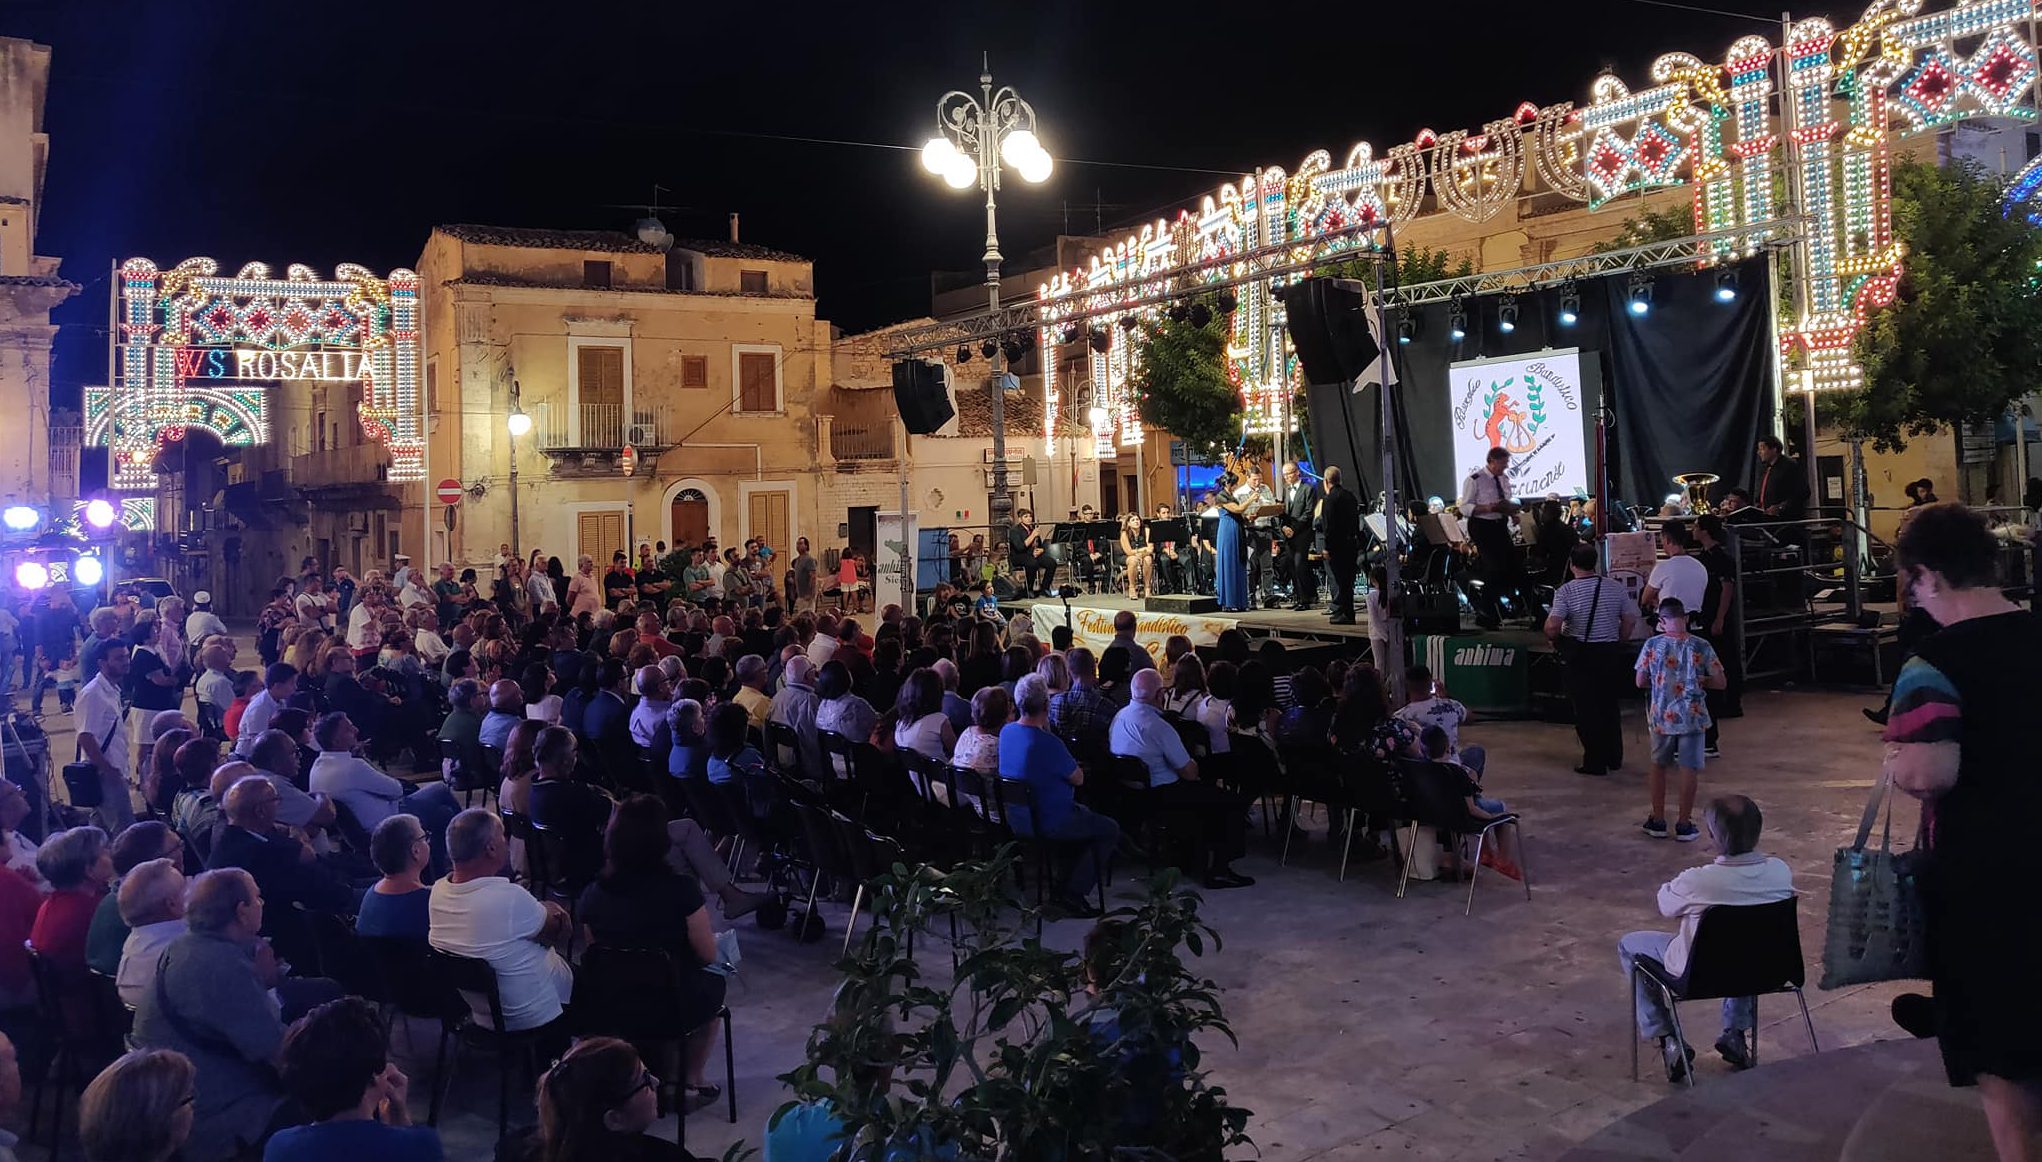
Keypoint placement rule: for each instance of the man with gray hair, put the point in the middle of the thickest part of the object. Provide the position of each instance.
(506, 710)
(151, 902)
(795, 706)
(648, 716)
(956, 707)
(105, 624)
(1031, 754)
(1140, 731)
(1741, 876)
(209, 1000)
(275, 754)
(751, 690)
(476, 912)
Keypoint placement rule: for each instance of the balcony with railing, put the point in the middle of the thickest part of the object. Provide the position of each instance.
(589, 439)
(861, 440)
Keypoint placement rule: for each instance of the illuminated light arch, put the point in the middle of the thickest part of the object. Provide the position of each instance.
(1702, 125)
(197, 349)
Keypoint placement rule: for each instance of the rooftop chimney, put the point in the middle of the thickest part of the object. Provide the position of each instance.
(733, 225)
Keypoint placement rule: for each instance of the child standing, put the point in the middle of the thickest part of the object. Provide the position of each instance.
(1678, 669)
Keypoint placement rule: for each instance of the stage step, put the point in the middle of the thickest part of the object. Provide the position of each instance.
(1180, 603)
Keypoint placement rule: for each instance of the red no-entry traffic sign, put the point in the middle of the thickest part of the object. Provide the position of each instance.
(449, 491)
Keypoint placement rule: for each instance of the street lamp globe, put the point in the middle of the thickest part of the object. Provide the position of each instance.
(962, 172)
(938, 155)
(518, 422)
(1022, 150)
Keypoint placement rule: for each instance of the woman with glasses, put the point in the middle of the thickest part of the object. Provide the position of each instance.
(596, 1105)
(336, 1064)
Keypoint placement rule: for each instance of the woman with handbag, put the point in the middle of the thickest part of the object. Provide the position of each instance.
(1591, 618)
(1960, 739)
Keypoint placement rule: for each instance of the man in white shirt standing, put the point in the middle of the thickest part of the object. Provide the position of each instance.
(103, 736)
(476, 912)
(1741, 876)
(401, 572)
(314, 612)
(1487, 504)
(1681, 576)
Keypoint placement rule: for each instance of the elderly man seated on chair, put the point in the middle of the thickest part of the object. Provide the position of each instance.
(1742, 875)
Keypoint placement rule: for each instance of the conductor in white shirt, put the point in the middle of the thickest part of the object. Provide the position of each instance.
(1487, 504)
(1742, 875)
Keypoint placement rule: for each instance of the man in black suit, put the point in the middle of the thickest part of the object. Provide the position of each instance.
(606, 724)
(1340, 526)
(1300, 504)
(1782, 485)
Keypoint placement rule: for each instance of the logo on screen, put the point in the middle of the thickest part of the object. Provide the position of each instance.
(1504, 422)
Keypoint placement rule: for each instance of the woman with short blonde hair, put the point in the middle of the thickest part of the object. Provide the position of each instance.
(138, 1109)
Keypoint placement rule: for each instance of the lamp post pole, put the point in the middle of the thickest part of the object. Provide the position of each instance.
(518, 423)
(974, 135)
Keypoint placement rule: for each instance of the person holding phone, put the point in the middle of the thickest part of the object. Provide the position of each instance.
(1430, 706)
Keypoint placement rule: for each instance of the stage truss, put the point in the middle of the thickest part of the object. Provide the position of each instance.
(197, 350)
(1705, 126)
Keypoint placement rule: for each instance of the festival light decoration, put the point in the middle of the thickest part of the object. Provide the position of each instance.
(1704, 126)
(197, 351)
(21, 518)
(87, 570)
(31, 575)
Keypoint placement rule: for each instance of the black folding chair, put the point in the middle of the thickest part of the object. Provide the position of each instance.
(1010, 794)
(840, 763)
(870, 855)
(78, 1010)
(783, 750)
(411, 983)
(461, 776)
(822, 848)
(636, 994)
(469, 975)
(1739, 950)
(1436, 799)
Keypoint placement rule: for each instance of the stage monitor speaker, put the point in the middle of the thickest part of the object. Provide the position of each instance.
(1328, 323)
(919, 393)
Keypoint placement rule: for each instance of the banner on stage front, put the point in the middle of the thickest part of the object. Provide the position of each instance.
(1532, 405)
(1093, 628)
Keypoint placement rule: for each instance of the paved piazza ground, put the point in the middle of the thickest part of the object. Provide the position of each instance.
(1376, 1027)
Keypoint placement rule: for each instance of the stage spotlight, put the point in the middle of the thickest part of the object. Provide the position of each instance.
(1407, 327)
(31, 575)
(1570, 304)
(1640, 295)
(1177, 312)
(21, 518)
(963, 353)
(100, 513)
(1102, 340)
(988, 348)
(1129, 322)
(1199, 315)
(1071, 334)
(1726, 286)
(1225, 301)
(87, 571)
(1013, 349)
(1506, 314)
(1457, 322)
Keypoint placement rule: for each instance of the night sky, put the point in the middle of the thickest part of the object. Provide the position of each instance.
(328, 133)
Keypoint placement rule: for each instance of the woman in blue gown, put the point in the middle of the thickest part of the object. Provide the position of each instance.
(1230, 571)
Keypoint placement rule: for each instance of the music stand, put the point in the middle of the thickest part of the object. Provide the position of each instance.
(1442, 529)
(1172, 530)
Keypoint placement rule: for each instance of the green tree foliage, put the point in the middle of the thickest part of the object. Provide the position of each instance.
(1963, 338)
(1180, 381)
(1649, 226)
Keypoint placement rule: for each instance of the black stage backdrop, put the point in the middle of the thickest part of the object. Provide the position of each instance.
(1690, 383)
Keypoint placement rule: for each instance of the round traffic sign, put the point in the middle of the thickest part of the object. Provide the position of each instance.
(449, 491)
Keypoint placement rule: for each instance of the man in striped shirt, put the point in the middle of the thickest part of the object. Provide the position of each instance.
(1595, 613)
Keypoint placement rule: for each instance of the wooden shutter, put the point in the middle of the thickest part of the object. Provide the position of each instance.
(599, 534)
(601, 371)
(694, 371)
(769, 518)
(755, 376)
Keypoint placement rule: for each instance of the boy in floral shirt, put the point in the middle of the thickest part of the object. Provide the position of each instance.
(1678, 668)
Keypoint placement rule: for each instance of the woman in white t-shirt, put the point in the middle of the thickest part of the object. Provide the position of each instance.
(1214, 709)
(920, 724)
(1187, 685)
(979, 746)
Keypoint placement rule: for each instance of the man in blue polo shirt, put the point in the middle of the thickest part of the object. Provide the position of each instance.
(1219, 816)
(1031, 754)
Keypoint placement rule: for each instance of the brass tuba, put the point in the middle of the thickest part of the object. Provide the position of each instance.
(1696, 485)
